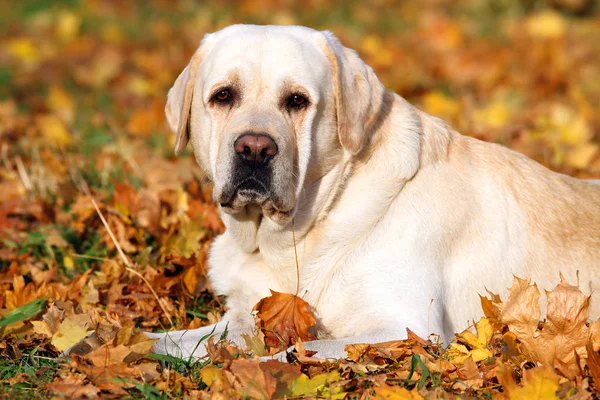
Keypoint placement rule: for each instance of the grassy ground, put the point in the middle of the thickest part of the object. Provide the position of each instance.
(82, 90)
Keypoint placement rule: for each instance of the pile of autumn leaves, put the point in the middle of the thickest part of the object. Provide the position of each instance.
(509, 354)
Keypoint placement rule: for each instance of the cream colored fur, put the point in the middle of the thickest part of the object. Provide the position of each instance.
(392, 209)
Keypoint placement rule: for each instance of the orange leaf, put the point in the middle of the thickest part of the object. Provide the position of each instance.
(284, 318)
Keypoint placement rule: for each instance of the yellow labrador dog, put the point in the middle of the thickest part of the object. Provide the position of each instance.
(399, 220)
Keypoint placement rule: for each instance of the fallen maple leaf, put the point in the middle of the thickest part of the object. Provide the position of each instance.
(318, 385)
(521, 311)
(538, 383)
(477, 344)
(71, 331)
(559, 340)
(251, 380)
(284, 318)
(74, 391)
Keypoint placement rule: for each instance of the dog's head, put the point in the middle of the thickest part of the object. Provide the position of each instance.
(269, 109)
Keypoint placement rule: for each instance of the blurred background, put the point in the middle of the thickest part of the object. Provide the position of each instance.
(93, 75)
(83, 85)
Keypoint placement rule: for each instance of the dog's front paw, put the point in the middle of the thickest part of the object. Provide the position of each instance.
(186, 344)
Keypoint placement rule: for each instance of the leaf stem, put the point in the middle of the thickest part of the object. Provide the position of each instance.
(296, 254)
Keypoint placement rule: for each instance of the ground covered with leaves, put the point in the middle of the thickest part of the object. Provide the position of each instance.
(104, 234)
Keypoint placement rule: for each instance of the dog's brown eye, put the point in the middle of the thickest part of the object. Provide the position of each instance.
(223, 96)
(297, 101)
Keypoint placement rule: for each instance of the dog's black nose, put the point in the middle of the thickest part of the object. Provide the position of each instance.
(255, 150)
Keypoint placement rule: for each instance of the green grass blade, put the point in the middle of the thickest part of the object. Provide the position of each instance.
(24, 312)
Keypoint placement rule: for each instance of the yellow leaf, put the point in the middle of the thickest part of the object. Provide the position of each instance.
(142, 86)
(25, 51)
(440, 105)
(480, 354)
(459, 353)
(582, 155)
(67, 25)
(42, 327)
(396, 392)
(71, 331)
(284, 18)
(68, 262)
(494, 115)
(319, 383)
(574, 130)
(256, 343)
(546, 25)
(377, 53)
(190, 280)
(124, 211)
(539, 383)
(484, 331)
(53, 129)
(61, 103)
(209, 375)
(182, 203)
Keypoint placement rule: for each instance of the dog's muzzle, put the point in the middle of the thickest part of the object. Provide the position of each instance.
(252, 172)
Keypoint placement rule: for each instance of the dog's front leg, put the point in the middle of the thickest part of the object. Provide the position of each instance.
(244, 278)
(336, 348)
(187, 344)
(191, 343)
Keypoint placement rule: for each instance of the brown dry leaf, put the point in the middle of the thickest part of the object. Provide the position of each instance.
(251, 380)
(355, 352)
(521, 311)
(73, 391)
(593, 363)
(595, 334)
(490, 308)
(385, 352)
(566, 329)
(106, 362)
(221, 351)
(470, 374)
(262, 380)
(565, 333)
(284, 318)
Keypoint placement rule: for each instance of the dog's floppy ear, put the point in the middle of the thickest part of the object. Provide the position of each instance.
(179, 100)
(359, 94)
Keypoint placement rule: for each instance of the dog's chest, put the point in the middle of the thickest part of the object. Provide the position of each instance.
(332, 281)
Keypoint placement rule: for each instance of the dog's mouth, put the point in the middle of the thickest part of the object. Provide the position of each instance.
(254, 193)
(250, 191)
